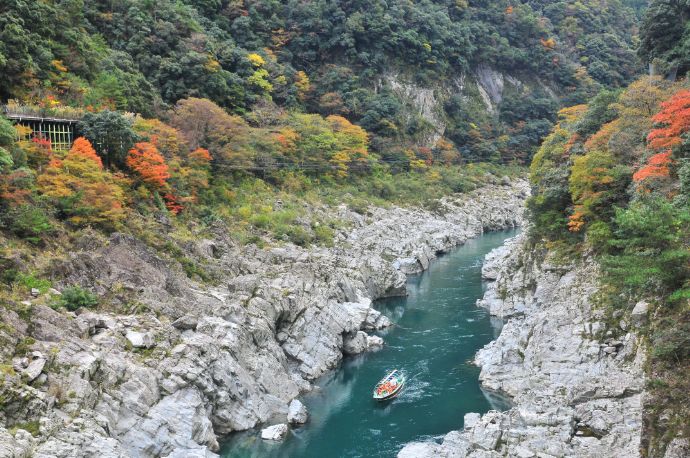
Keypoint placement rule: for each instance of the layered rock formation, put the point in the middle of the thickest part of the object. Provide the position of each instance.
(576, 383)
(175, 363)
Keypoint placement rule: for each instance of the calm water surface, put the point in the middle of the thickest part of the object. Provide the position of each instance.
(437, 331)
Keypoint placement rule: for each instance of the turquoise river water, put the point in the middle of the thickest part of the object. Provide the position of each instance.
(438, 329)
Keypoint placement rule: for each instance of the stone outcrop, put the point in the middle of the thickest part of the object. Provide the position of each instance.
(173, 364)
(482, 89)
(275, 432)
(297, 413)
(576, 385)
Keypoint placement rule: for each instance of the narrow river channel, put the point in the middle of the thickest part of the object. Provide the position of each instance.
(437, 331)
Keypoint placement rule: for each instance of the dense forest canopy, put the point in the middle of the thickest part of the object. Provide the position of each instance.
(321, 56)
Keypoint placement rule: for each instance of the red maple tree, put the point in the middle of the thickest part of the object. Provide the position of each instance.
(674, 121)
(172, 204)
(148, 163)
(83, 148)
(658, 166)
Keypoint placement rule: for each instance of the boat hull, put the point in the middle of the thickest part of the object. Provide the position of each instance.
(392, 395)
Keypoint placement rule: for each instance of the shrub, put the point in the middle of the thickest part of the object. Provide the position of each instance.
(30, 281)
(261, 221)
(28, 222)
(298, 235)
(672, 340)
(8, 275)
(324, 235)
(75, 297)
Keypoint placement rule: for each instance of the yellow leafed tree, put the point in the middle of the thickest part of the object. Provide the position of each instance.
(84, 192)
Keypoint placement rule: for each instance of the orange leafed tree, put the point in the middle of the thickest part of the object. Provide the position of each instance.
(674, 120)
(81, 188)
(148, 163)
(82, 148)
(200, 156)
(658, 166)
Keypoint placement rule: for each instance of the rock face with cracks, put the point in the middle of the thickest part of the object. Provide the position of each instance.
(184, 363)
(576, 385)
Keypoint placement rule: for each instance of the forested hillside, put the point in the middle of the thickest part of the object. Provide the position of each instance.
(612, 181)
(208, 109)
(327, 57)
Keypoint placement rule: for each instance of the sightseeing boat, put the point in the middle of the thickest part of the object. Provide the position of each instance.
(390, 386)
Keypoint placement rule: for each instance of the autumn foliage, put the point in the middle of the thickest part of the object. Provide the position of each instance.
(590, 181)
(84, 192)
(200, 156)
(148, 163)
(82, 148)
(674, 119)
(658, 166)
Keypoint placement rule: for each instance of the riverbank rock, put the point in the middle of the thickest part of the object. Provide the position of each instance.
(374, 342)
(297, 413)
(226, 356)
(275, 432)
(571, 396)
(355, 343)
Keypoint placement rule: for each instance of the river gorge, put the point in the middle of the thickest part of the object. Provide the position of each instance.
(203, 361)
(205, 364)
(436, 331)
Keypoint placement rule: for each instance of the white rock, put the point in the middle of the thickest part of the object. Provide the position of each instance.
(140, 339)
(185, 323)
(275, 432)
(355, 344)
(522, 452)
(297, 412)
(420, 450)
(471, 419)
(374, 342)
(34, 369)
(639, 313)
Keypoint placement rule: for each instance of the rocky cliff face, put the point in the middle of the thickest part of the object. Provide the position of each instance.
(576, 385)
(179, 363)
(481, 90)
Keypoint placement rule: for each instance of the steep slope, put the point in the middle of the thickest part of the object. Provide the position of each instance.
(178, 363)
(328, 57)
(576, 386)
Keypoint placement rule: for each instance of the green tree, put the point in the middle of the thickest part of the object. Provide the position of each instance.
(111, 133)
(664, 35)
(649, 253)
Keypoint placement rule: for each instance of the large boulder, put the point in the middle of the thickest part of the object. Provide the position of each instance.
(354, 344)
(374, 342)
(35, 367)
(140, 339)
(297, 412)
(275, 432)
